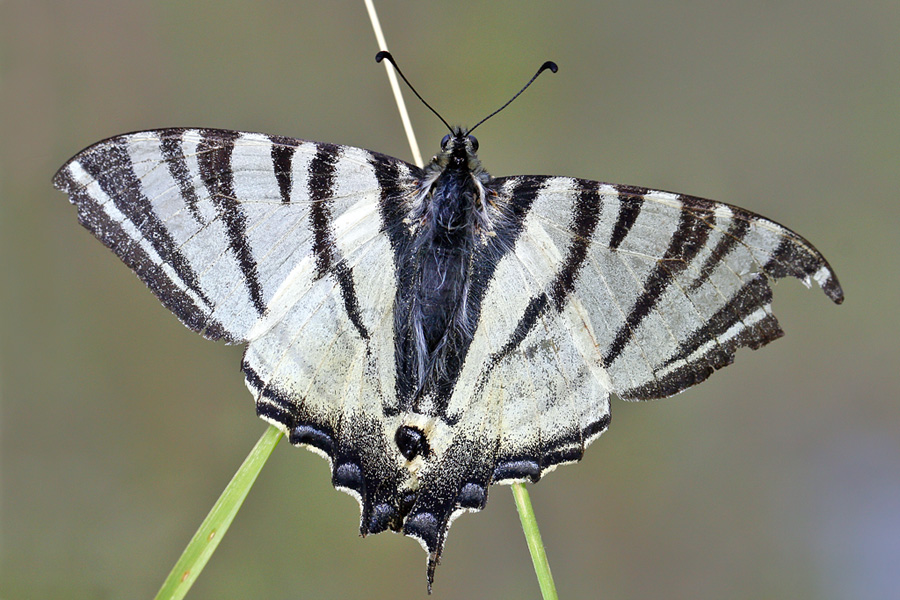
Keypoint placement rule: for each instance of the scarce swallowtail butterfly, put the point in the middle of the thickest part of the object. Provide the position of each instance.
(432, 331)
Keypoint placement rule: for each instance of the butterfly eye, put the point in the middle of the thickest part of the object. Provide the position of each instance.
(474, 143)
(445, 141)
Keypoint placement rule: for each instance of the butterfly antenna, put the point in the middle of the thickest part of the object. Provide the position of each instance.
(387, 55)
(547, 65)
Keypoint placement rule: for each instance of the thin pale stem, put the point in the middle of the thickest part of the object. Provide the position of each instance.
(216, 523)
(533, 538)
(395, 86)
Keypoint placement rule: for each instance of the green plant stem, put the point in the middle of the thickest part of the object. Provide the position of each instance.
(216, 523)
(533, 538)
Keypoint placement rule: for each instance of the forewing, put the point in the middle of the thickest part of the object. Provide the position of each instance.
(213, 221)
(668, 285)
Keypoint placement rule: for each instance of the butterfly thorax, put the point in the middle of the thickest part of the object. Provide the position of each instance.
(432, 322)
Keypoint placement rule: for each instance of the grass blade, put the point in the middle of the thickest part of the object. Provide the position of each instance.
(533, 538)
(216, 523)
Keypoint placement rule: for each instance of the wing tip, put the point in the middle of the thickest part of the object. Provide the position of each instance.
(828, 281)
(62, 179)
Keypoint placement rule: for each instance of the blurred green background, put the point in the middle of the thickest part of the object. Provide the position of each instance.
(778, 478)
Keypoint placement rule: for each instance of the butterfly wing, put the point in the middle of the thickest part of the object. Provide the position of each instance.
(213, 221)
(282, 243)
(585, 289)
(616, 289)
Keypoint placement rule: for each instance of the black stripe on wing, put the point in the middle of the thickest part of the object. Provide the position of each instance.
(689, 237)
(394, 200)
(585, 217)
(321, 191)
(631, 202)
(97, 220)
(170, 144)
(713, 345)
(214, 157)
(728, 242)
(282, 160)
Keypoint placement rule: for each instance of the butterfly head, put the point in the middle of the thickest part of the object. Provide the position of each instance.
(458, 151)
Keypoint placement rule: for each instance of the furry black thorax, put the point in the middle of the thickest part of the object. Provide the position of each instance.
(432, 317)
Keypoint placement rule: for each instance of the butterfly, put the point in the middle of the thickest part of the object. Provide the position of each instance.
(431, 331)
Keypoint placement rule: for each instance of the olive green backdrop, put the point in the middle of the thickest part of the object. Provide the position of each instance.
(778, 478)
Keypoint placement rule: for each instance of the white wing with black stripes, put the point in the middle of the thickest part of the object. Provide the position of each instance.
(433, 331)
(215, 222)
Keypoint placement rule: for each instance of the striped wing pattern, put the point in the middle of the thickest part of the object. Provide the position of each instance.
(667, 285)
(215, 221)
(581, 289)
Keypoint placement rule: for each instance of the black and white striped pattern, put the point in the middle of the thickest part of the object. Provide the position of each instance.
(433, 331)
